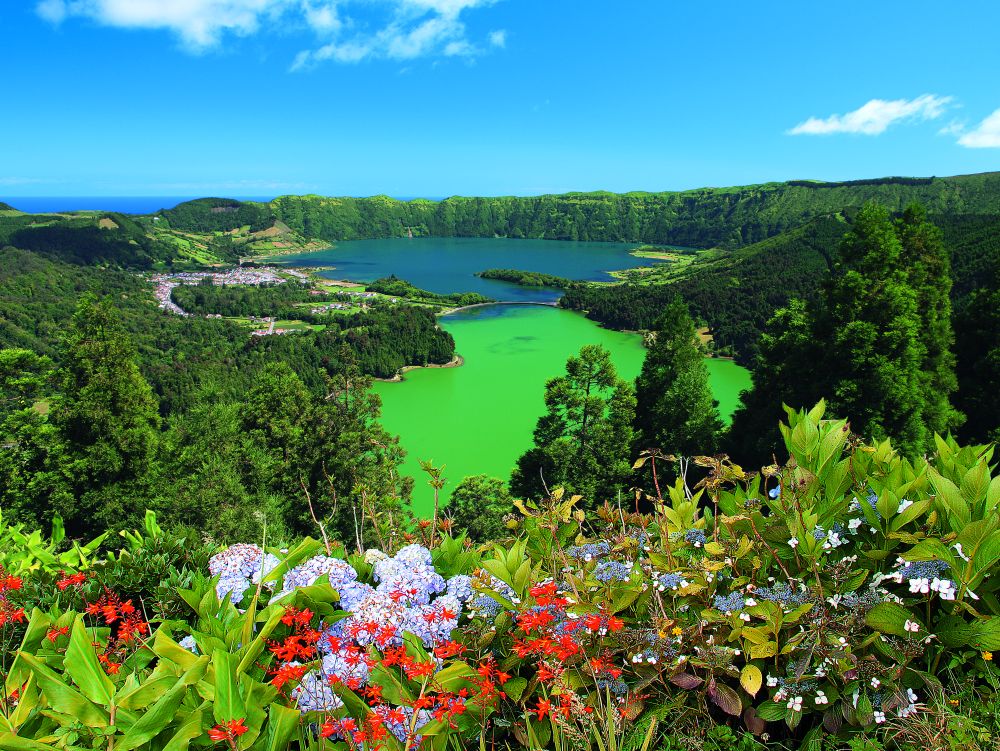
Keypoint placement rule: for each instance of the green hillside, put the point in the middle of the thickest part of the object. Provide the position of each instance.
(707, 217)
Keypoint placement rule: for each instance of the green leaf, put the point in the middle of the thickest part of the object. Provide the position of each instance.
(168, 649)
(190, 729)
(975, 482)
(514, 688)
(12, 742)
(64, 698)
(771, 711)
(951, 499)
(228, 704)
(889, 618)
(986, 634)
(83, 667)
(154, 720)
(760, 651)
(281, 725)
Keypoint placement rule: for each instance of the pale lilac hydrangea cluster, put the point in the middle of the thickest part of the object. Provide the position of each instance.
(409, 576)
(239, 567)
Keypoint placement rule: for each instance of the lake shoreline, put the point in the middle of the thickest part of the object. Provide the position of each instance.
(456, 362)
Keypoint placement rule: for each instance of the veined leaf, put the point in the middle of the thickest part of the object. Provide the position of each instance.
(154, 720)
(228, 704)
(62, 697)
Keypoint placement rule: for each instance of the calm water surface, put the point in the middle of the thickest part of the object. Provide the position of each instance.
(449, 264)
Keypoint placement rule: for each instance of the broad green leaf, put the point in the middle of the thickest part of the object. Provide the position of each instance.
(84, 668)
(62, 697)
(281, 725)
(168, 649)
(228, 704)
(751, 679)
(771, 711)
(190, 729)
(154, 720)
(889, 618)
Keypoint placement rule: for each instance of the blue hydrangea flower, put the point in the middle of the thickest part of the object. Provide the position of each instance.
(731, 603)
(589, 551)
(607, 571)
(696, 537)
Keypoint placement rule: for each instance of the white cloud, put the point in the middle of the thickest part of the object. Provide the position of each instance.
(199, 23)
(954, 128)
(391, 29)
(986, 135)
(875, 116)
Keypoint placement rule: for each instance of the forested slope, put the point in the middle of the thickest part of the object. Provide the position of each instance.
(708, 217)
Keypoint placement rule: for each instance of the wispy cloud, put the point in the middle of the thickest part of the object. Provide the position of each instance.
(875, 116)
(986, 135)
(413, 29)
(346, 30)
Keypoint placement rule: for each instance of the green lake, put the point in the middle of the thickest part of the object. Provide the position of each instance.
(478, 418)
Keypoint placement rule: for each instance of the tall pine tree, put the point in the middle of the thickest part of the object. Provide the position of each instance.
(107, 418)
(877, 344)
(675, 409)
(928, 268)
(584, 439)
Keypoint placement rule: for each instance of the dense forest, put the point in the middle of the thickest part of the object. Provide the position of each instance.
(206, 298)
(727, 217)
(393, 286)
(526, 278)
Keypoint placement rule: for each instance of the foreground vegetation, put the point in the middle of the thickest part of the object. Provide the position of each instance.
(844, 600)
(629, 588)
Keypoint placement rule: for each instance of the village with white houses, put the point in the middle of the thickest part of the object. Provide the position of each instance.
(348, 296)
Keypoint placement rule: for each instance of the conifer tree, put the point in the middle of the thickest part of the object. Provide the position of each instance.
(675, 409)
(928, 267)
(583, 440)
(874, 349)
(107, 418)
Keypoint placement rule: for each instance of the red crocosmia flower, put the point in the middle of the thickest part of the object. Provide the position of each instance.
(287, 673)
(55, 633)
(9, 582)
(228, 731)
(418, 669)
(615, 624)
(70, 580)
(448, 649)
(543, 708)
(545, 673)
(592, 622)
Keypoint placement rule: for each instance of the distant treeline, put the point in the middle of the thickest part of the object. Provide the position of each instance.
(872, 181)
(526, 278)
(726, 217)
(393, 286)
(219, 215)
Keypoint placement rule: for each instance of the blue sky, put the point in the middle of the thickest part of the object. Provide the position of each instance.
(442, 97)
